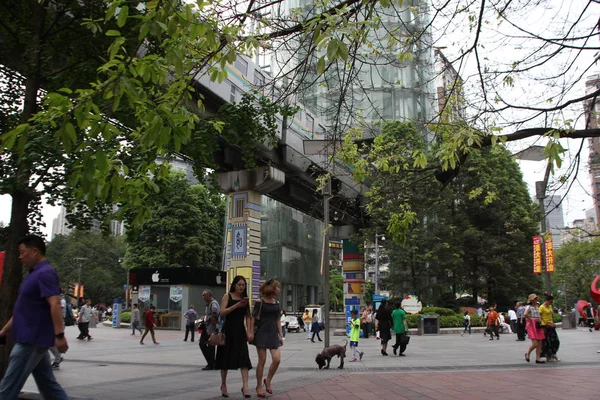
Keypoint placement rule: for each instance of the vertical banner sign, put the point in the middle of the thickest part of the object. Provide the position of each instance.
(537, 255)
(549, 253)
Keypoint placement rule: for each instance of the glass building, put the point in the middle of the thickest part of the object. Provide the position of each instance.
(291, 253)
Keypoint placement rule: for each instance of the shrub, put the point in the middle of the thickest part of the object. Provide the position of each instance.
(126, 317)
(412, 320)
(437, 311)
(556, 318)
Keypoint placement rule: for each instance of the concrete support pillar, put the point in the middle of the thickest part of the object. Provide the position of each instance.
(245, 189)
(242, 256)
(354, 278)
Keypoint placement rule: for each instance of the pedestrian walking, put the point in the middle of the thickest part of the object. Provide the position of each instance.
(266, 332)
(190, 322)
(36, 325)
(307, 322)
(355, 324)
(211, 315)
(283, 322)
(534, 328)
(234, 355)
(135, 319)
(466, 323)
(520, 322)
(384, 324)
(149, 325)
(400, 329)
(84, 317)
(315, 327)
(363, 323)
(58, 358)
(493, 324)
(551, 343)
(512, 315)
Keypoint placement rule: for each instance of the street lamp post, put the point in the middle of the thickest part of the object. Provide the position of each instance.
(540, 194)
(536, 153)
(377, 260)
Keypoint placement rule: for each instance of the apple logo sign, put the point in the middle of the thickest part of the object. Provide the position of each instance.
(218, 279)
(155, 277)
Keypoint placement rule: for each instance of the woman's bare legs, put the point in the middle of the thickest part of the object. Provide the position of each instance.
(245, 380)
(260, 366)
(275, 361)
(224, 382)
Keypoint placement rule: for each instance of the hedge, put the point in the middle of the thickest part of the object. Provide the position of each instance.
(126, 317)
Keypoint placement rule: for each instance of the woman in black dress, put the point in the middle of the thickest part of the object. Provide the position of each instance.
(234, 355)
(384, 318)
(269, 335)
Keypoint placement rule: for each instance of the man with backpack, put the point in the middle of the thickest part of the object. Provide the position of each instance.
(211, 316)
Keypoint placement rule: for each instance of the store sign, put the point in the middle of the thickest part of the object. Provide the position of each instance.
(549, 253)
(176, 293)
(412, 305)
(144, 293)
(537, 255)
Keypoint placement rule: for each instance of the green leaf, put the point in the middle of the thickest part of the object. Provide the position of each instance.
(70, 129)
(113, 32)
(9, 138)
(321, 66)
(332, 49)
(123, 14)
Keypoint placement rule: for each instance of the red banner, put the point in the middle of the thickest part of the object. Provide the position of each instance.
(549, 253)
(537, 255)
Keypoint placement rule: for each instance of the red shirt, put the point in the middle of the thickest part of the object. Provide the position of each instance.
(149, 321)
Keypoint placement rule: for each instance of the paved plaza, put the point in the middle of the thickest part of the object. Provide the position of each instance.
(115, 366)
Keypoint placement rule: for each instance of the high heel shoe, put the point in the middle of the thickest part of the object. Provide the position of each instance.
(260, 394)
(540, 362)
(527, 357)
(246, 395)
(224, 394)
(267, 388)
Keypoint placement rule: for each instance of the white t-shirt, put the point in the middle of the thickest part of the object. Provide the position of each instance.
(512, 315)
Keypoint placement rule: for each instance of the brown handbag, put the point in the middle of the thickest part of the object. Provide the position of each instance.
(216, 339)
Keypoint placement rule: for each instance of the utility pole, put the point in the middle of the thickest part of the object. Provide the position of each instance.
(540, 194)
(326, 195)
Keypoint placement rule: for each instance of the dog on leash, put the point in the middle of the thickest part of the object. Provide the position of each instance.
(328, 353)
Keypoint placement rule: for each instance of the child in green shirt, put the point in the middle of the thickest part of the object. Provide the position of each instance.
(355, 335)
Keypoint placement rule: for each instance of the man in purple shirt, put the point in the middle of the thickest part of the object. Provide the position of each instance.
(36, 325)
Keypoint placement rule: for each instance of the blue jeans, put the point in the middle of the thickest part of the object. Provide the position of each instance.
(134, 326)
(27, 359)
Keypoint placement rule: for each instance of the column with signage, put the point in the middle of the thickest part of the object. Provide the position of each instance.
(242, 256)
(537, 255)
(245, 189)
(354, 279)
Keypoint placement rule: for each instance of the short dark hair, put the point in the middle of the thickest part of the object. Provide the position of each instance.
(135, 304)
(354, 311)
(34, 241)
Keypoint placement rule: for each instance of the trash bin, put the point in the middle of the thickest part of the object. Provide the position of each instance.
(567, 323)
(429, 325)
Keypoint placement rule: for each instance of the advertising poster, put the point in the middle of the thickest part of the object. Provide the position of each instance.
(176, 293)
(144, 293)
(537, 255)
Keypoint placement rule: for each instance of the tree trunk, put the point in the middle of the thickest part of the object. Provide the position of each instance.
(21, 194)
(13, 272)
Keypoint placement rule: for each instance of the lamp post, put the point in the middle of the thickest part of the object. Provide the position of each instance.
(377, 260)
(536, 153)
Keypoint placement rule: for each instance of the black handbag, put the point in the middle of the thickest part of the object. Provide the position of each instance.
(257, 321)
(404, 339)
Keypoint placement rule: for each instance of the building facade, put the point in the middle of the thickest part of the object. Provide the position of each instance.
(555, 222)
(592, 109)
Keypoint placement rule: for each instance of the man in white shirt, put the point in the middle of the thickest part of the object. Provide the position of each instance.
(513, 319)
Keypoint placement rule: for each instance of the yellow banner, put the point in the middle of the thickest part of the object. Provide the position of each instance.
(537, 255)
(549, 253)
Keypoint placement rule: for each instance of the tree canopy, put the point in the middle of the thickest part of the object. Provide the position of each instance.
(577, 264)
(97, 257)
(185, 228)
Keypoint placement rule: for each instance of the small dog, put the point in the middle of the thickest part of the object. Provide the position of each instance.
(328, 353)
